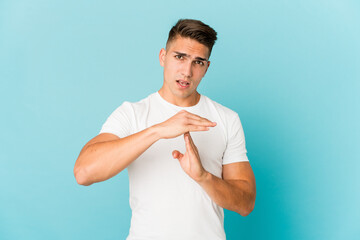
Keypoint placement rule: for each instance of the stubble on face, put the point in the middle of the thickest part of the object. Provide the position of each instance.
(185, 60)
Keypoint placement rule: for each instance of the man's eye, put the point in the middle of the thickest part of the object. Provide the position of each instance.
(199, 62)
(179, 56)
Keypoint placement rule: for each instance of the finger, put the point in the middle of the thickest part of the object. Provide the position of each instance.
(201, 122)
(195, 128)
(197, 117)
(188, 145)
(191, 141)
(177, 154)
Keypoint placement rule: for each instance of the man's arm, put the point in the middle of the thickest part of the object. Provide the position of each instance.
(106, 155)
(235, 192)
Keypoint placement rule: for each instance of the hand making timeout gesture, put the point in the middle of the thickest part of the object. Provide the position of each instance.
(183, 123)
(190, 161)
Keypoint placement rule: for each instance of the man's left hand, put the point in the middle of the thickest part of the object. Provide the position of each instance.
(190, 161)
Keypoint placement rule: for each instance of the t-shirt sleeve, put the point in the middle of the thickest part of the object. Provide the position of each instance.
(119, 123)
(235, 149)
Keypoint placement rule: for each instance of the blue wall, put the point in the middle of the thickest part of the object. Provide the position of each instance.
(291, 69)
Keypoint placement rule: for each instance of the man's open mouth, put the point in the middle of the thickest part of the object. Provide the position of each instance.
(183, 83)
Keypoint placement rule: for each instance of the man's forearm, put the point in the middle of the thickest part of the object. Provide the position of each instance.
(234, 195)
(103, 160)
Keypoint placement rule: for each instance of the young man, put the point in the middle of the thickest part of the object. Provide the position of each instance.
(179, 182)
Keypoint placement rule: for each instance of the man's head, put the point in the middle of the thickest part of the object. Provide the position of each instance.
(193, 29)
(186, 60)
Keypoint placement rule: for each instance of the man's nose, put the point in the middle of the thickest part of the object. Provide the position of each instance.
(187, 69)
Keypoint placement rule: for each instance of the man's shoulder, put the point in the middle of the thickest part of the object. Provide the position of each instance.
(137, 104)
(224, 110)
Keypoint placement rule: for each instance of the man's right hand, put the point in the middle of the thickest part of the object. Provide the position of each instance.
(183, 122)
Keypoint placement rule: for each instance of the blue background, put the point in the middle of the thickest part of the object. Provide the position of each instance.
(291, 69)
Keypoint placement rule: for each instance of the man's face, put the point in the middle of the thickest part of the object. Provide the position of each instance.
(185, 63)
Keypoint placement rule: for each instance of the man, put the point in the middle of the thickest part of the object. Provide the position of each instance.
(183, 198)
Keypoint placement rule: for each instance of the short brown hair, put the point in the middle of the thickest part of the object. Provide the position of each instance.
(193, 29)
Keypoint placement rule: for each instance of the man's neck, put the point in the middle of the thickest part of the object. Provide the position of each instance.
(181, 102)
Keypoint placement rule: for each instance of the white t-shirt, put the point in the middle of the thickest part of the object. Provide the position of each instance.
(166, 203)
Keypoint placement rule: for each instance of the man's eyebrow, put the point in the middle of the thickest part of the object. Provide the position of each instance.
(186, 55)
(202, 59)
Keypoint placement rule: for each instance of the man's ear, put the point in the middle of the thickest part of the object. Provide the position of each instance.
(162, 56)
(208, 65)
